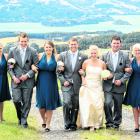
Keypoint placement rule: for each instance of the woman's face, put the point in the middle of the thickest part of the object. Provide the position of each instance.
(48, 49)
(137, 52)
(93, 53)
(1, 47)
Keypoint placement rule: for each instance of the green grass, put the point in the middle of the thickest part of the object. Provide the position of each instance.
(10, 130)
(106, 135)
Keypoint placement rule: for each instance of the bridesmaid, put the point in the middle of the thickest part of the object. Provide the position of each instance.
(47, 95)
(4, 86)
(132, 96)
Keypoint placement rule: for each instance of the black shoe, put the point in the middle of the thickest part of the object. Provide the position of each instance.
(47, 130)
(25, 125)
(109, 126)
(66, 127)
(136, 130)
(43, 125)
(116, 127)
(73, 128)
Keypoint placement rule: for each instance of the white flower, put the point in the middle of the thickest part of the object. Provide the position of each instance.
(79, 57)
(105, 73)
(60, 63)
(11, 60)
(11, 63)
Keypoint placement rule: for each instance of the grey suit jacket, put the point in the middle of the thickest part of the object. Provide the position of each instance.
(30, 58)
(69, 75)
(119, 73)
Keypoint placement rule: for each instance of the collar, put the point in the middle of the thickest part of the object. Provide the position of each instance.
(76, 53)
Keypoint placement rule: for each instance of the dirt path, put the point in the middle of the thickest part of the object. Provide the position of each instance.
(57, 127)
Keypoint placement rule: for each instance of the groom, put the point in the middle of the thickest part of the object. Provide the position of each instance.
(70, 83)
(114, 88)
(22, 77)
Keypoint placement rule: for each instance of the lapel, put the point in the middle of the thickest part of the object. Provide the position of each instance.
(77, 61)
(120, 57)
(26, 55)
(69, 60)
(18, 57)
(109, 61)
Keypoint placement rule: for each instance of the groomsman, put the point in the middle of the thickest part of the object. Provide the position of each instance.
(22, 77)
(114, 88)
(70, 83)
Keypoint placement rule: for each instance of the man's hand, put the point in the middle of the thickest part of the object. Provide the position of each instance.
(23, 77)
(66, 84)
(16, 80)
(117, 82)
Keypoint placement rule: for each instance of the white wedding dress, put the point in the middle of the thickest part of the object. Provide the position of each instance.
(91, 99)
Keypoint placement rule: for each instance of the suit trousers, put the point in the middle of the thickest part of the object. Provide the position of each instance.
(22, 101)
(70, 107)
(113, 108)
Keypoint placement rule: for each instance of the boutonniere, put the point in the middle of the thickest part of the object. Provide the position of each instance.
(27, 61)
(79, 58)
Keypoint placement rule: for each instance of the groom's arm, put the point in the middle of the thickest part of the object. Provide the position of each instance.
(126, 74)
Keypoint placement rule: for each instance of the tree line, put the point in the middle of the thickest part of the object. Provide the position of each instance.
(102, 41)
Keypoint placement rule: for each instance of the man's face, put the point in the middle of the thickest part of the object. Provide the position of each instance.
(116, 45)
(73, 45)
(23, 42)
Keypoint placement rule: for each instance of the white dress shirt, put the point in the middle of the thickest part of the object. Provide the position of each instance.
(22, 54)
(115, 59)
(73, 58)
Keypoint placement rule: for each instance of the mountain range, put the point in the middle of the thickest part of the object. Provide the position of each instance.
(66, 12)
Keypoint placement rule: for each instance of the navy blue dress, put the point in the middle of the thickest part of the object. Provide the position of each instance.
(4, 86)
(132, 96)
(47, 95)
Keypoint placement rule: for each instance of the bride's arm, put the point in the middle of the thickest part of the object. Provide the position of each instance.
(83, 73)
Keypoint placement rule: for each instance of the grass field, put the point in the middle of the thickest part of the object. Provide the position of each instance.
(106, 135)
(9, 129)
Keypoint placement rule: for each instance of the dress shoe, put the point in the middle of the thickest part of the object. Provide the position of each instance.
(116, 127)
(66, 127)
(43, 125)
(73, 128)
(109, 126)
(25, 125)
(47, 130)
(136, 130)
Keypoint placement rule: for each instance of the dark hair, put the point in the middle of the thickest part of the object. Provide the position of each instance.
(73, 39)
(23, 35)
(51, 44)
(116, 38)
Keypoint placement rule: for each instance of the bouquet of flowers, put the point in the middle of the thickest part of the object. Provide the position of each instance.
(105, 74)
(60, 66)
(11, 63)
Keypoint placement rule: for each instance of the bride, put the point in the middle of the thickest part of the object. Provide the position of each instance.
(91, 96)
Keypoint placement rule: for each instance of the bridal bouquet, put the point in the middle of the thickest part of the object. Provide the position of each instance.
(105, 74)
(11, 63)
(60, 66)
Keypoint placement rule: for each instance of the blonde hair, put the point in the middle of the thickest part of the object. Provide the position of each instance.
(137, 45)
(93, 47)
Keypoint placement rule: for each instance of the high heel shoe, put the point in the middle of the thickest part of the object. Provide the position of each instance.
(136, 130)
(47, 130)
(43, 125)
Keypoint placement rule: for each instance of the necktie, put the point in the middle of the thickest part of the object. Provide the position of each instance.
(22, 53)
(73, 61)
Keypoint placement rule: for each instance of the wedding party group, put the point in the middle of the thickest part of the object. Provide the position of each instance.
(94, 86)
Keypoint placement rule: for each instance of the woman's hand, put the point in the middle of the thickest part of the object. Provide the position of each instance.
(82, 72)
(128, 70)
(34, 68)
